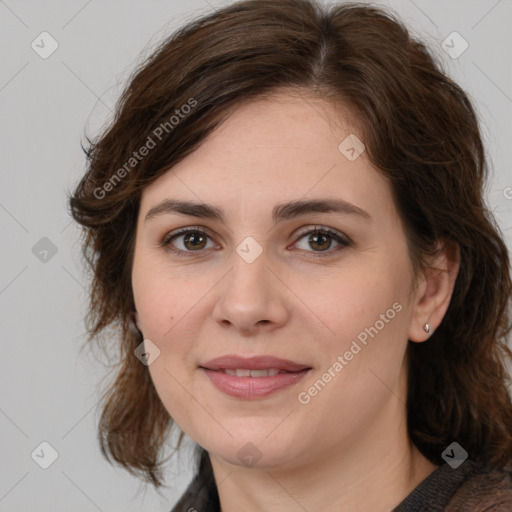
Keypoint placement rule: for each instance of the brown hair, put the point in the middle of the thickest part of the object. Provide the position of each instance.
(420, 131)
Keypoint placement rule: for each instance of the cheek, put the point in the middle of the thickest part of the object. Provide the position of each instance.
(160, 300)
(163, 309)
(167, 307)
(173, 388)
(355, 299)
(362, 360)
(366, 312)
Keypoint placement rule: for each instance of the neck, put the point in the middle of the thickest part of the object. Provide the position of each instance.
(374, 470)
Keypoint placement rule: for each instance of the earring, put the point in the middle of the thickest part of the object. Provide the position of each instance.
(426, 328)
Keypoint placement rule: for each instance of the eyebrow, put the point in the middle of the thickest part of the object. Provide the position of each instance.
(280, 212)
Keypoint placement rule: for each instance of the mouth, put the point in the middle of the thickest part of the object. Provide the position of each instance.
(253, 365)
(244, 372)
(253, 378)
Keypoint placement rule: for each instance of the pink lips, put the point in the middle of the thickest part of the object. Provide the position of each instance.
(253, 363)
(252, 387)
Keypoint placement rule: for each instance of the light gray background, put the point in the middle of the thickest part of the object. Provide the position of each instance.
(48, 389)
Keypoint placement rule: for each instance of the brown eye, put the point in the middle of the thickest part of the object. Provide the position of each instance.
(194, 241)
(187, 241)
(321, 240)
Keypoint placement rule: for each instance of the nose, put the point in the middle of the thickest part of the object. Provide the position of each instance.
(251, 298)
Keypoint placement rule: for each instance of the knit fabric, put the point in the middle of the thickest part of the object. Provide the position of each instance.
(469, 488)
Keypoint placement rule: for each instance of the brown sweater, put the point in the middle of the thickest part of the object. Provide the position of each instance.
(469, 488)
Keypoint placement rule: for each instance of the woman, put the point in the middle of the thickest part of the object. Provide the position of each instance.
(285, 221)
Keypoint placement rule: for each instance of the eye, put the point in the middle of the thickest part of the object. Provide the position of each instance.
(190, 240)
(187, 240)
(321, 240)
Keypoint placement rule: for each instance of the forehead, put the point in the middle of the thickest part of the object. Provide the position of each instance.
(286, 147)
(285, 123)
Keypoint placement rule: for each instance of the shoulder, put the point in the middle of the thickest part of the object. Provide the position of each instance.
(470, 487)
(485, 490)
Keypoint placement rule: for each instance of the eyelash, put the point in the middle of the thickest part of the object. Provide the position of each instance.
(343, 240)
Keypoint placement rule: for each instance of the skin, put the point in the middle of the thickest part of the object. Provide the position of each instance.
(348, 448)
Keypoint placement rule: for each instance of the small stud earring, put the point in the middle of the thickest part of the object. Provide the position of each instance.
(426, 328)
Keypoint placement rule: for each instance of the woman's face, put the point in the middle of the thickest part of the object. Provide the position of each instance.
(251, 279)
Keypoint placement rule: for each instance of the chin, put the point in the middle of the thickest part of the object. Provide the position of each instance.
(254, 452)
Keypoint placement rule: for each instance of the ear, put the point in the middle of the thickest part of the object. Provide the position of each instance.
(434, 292)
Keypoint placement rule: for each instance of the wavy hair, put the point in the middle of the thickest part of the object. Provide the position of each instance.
(421, 132)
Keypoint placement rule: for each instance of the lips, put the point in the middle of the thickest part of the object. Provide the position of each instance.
(252, 378)
(232, 362)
